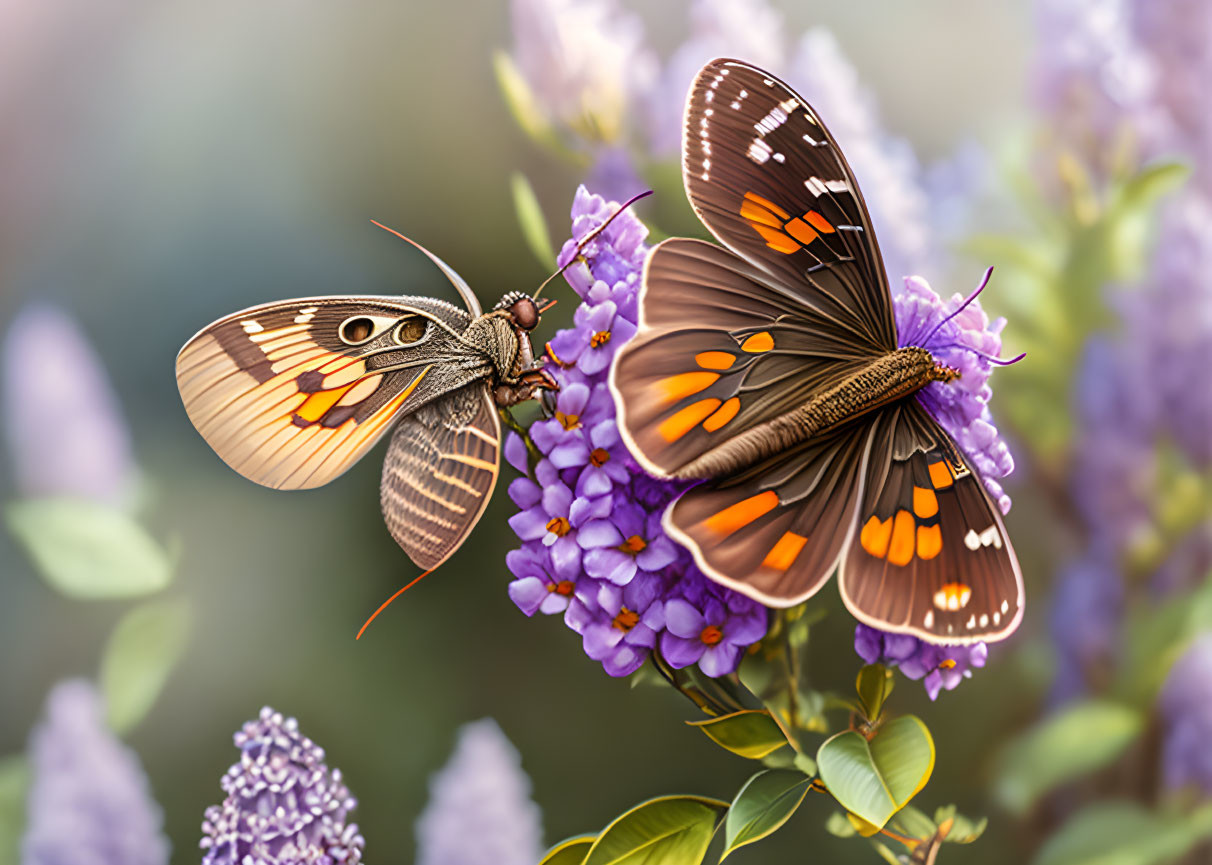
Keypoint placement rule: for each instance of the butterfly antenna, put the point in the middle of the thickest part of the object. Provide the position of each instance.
(961, 308)
(383, 606)
(589, 237)
(1000, 361)
(460, 284)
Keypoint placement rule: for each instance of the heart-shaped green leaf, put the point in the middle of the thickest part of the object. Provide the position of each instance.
(670, 829)
(764, 804)
(874, 779)
(140, 655)
(88, 550)
(751, 733)
(571, 851)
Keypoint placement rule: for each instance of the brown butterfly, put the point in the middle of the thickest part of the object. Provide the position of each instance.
(771, 369)
(291, 394)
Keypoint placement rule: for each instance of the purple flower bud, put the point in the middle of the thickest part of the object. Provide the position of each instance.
(1186, 708)
(284, 806)
(90, 800)
(480, 811)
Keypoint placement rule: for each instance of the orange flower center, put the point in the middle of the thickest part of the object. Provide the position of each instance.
(597, 456)
(634, 544)
(946, 664)
(563, 587)
(568, 421)
(559, 526)
(626, 619)
(711, 635)
(599, 339)
(551, 354)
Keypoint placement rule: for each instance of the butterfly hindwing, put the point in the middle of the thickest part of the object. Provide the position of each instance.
(291, 394)
(769, 181)
(930, 555)
(721, 348)
(439, 473)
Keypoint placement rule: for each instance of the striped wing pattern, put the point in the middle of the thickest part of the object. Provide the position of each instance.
(439, 473)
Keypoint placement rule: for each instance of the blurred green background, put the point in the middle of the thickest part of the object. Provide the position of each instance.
(166, 163)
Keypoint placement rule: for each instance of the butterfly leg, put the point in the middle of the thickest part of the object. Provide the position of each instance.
(528, 386)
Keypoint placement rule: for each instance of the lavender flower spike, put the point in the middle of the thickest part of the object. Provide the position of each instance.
(480, 811)
(1186, 708)
(90, 801)
(284, 806)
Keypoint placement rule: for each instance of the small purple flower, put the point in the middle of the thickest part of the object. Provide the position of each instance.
(592, 343)
(90, 800)
(962, 405)
(1186, 708)
(937, 666)
(713, 637)
(284, 806)
(480, 811)
(619, 624)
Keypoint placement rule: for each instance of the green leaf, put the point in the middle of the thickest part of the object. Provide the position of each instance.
(1156, 637)
(839, 825)
(670, 829)
(751, 733)
(963, 830)
(140, 655)
(1079, 739)
(874, 779)
(520, 99)
(87, 550)
(531, 220)
(912, 823)
(805, 764)
(14, 782)
(571, 851)
(762, 806)
(1120, 833)
(874, 684)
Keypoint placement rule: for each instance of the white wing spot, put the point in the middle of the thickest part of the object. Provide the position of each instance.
(735, 105)
(251, 326)
(1005, 606)
(759, 151)
(972, 540)
(929, 620)
(984, 620)
(778, 157)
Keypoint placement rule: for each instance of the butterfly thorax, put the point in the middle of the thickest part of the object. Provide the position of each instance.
(894, 376)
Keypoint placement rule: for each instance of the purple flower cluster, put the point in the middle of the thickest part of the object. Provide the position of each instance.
(284, 806)
(937, 666)
(90, 800)
(589, 517)
(480, 811)
(1186, 708)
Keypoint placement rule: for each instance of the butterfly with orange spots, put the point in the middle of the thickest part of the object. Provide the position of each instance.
(770, 369)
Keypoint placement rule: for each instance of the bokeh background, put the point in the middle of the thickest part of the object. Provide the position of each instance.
(163, 164)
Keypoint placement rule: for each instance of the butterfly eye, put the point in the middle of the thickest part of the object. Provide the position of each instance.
(356, 330)
(410, 330)
(525, 314)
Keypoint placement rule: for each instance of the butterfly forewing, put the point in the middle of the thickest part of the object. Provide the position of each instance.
(769, 181)
(931, 556)
(439, 473)
(291, 394)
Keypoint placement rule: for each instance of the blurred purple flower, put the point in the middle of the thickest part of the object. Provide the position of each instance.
(1186, 708)
(65, 431)
(1084, 622)
(480, 811)
(584, 62)
(937, 666)
(593, 547)
(961, 406)
(90, 801)
(284, 806)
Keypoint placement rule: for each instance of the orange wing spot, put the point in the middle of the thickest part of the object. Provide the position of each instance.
(820, 223)
(758, 214)
(318, 403)
(725, 413)
(776, 240)
(742, 513)
(769, 205)
(925, 502)
(875, 536)
(677, 425)
(929, 541)
(900, 549)
(952, 596)
(714, 359)
(782, 555)
(940, 475)
(800, 230)
(758, 343)
(678, 387)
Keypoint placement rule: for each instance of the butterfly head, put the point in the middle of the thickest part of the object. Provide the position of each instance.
(522, 310)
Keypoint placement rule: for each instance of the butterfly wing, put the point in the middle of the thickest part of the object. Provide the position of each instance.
(291, 394)
(439, 473)
(721, 348)
(769, 181)
(776, 531)
(931, 557)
